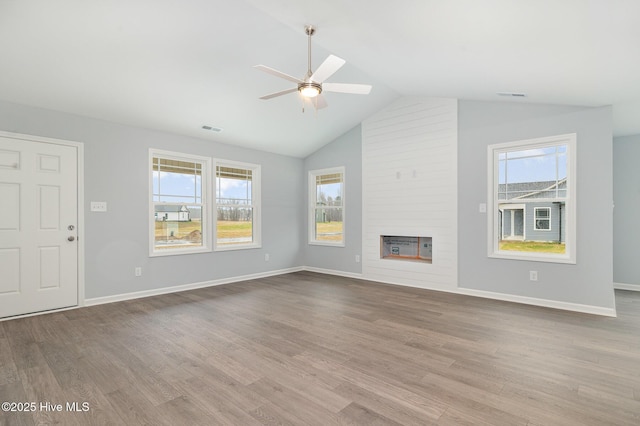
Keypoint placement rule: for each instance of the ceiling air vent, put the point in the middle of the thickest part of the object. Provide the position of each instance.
(213, 129)
(512, 94)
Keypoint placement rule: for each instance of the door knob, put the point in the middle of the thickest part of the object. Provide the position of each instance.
(71, 238)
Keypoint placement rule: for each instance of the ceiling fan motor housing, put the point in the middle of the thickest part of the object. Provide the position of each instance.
(310, 89)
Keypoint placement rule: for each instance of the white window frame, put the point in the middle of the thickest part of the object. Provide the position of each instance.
(312, 206)
(570, 207)
(256, 206)
(536, 218)
(206, 203)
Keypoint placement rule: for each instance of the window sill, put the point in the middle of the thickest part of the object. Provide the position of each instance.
(532, 257)
(237, 247)
(179, 252)
(327, 244)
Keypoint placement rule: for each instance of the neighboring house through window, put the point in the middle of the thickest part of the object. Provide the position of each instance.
(326, 207)
(532, 187)
(180, 212)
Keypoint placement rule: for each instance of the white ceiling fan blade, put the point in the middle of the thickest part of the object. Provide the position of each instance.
(280, 93)
(278, 73)
(327, 68)
(355, 89)
(319, 102)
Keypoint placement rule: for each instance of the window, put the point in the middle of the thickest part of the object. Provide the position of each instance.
(542, 218)
(326, 209)
(179, 210)
(237, 205)
(532, 187)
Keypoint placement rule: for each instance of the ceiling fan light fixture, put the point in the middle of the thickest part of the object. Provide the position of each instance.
(309, 89)
(310, 86)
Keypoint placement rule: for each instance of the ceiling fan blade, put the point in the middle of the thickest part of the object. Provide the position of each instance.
(327, 68)
(355, 89)
(278, 73)
(319, 102)
(280, 93)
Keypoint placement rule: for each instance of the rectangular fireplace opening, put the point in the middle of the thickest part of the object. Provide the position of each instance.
(400, 247)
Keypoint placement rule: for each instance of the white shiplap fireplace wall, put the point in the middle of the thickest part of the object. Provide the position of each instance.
(409, 161)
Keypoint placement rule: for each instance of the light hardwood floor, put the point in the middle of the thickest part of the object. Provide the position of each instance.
(312, 349)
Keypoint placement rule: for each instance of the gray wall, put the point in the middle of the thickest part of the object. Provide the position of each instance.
(117, 241)
(626, 194)
(116, 171)
(588, 282)
(345, 151)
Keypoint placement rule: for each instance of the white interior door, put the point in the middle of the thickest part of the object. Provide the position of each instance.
(38, 226)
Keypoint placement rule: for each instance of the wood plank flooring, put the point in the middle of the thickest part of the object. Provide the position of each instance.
(313, 349)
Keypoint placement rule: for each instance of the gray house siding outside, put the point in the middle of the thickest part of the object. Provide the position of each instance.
(555, 232)
(524, 194)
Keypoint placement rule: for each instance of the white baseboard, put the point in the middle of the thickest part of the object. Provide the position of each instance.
(545, 303)
(623, 286)
(423, 286)
(566, 306)
(332, 272)
(33, 314)
(184, 287)
(596, 310)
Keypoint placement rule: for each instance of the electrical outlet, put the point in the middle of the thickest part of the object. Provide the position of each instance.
(357, 258)
(266, 257)
(138, 271)
(533, 275)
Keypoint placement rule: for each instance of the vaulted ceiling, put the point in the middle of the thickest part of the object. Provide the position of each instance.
(177, 66)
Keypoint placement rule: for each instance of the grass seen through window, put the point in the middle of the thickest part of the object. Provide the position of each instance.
(188, 232)
(329, 231)
(533, 246)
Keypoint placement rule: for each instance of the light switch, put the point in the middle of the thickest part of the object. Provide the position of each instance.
(482, 208)
(99, 206)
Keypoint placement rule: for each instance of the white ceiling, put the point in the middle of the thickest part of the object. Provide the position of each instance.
(175, 65)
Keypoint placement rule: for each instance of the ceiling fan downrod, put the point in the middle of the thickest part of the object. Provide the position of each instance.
(309, 30)
(308, 88)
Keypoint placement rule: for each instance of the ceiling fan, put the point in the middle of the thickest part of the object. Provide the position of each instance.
(312, 84)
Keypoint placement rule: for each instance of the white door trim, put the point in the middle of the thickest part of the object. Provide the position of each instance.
(81, 229)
